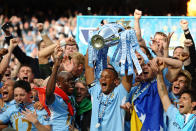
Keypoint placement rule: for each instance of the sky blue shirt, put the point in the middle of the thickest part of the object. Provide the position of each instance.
(177, 121)
(14, 116)
(6, 105)
(113, 118)
(60, 118)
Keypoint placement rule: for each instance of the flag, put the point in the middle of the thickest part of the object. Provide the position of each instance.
(147, 112)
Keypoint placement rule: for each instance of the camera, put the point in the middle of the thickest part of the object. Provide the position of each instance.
(6, 26)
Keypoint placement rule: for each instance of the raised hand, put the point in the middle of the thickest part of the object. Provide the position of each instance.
(184, 56)
(153, 65)
(69, 39)
(184, 24)
(160, 64)
(40, 27)
(137, 14)
(68, 64)
(3, 51)
(58, 54)
(13, 43)
(169, 37)
(38, 105)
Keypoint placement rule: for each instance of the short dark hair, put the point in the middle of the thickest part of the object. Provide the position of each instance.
(72, 45)
(178, 47)
(113, 70)
(147, 52)
(39, 43)
(192, 94)
(27, 65)
(23, 84)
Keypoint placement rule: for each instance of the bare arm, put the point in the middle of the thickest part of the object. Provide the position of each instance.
(174, 67)
(89, 71)
(166, 45)
(137, 16)
(44, 36)
(47, 51)
(162, 90)
(50, 87)
(46, 39)
(50, 45)
(6, 59)
(127, 81)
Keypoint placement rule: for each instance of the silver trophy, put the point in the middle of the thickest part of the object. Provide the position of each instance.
(108, 35)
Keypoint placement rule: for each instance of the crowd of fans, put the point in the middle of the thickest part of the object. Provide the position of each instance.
(48, 85)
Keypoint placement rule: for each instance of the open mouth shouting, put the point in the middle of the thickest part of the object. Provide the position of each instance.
(4, 94)
(181, 107)
(25, 78)
(176, 89)
(103, 86)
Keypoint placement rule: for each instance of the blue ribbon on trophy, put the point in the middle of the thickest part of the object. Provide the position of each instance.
(109, 35)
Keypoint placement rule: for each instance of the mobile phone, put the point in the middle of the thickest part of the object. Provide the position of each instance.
(6, 26)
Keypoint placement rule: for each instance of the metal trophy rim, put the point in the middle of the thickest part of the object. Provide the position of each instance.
(94, 38)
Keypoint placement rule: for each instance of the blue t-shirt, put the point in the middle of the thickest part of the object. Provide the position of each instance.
(113, 115)
(60, 118)
(14, 116)
(177, 121)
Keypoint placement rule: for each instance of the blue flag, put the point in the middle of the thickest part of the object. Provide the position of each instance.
(148, 108)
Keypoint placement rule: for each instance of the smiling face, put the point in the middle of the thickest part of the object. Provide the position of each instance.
(147, 74)
(108, 81)
(25, 73)
(178, 52)
(185, 104)
(21, 96)
(7, 91)
(178, 85)
(81, 91)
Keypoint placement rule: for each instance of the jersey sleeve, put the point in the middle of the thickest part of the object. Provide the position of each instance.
(4, 116)
(43, 117)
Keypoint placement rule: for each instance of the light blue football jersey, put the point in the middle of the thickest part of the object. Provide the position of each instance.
(14, 116)
(60, 118)
(6, 105)
(177, 120)
(113, 115)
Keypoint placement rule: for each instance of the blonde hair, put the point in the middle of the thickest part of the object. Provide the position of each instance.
(161, 34)
(188, 76)
(78, 57)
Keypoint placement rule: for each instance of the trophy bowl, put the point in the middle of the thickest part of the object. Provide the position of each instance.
(108, 36)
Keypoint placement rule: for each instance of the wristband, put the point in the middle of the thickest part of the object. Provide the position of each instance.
(186, 31)
(91, 85)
